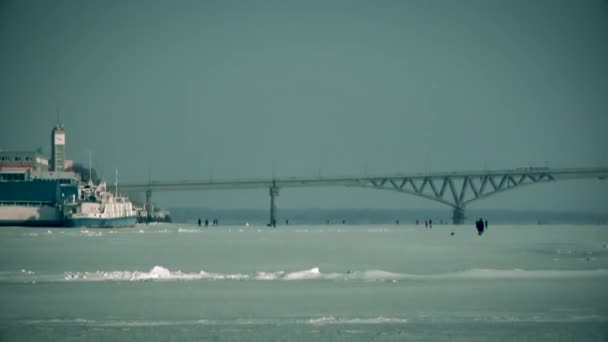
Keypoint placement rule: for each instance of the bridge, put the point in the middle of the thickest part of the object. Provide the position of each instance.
(454, 189)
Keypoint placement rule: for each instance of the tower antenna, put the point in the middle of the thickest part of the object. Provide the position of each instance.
(58, 115)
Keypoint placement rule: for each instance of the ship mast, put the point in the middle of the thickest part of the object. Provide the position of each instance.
(116, 184)
(90, 168)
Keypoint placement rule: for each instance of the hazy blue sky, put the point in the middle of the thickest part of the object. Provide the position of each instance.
(228, 89)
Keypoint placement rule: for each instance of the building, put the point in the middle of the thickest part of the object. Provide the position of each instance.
(21, 165)
(57, 148)
(28, 165)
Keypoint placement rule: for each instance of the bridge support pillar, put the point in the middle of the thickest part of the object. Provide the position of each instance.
(273, 191)
(148, 206)
(458, 217)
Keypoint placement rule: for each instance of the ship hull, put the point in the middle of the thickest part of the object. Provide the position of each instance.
(96, 222)
(30, 216)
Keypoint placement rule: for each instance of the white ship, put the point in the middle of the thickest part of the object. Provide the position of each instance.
(98, 208)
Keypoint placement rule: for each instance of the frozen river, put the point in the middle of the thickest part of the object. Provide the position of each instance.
(304, 283)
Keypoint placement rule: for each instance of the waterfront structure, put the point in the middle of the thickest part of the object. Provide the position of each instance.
(29, 165)
(21, 165)
(36, 192)
(32, 190)
(57, 148)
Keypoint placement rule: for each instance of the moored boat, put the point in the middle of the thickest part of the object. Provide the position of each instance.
(99, 208)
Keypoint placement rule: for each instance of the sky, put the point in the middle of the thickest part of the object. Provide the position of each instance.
(250, 89)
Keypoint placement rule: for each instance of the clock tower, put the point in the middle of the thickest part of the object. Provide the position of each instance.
(58, 148)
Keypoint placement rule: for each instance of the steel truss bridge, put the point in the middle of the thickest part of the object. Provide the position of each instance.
(454, 189)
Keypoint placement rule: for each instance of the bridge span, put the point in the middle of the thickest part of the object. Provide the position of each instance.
(455, 189)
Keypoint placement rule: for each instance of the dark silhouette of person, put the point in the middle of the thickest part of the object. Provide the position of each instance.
(199, 222)
(486, 226)
(416, 222)
(479, 226)
(206, 222)
(430, 223)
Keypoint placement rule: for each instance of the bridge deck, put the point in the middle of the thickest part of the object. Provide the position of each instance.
(221, 184)
(455, 189)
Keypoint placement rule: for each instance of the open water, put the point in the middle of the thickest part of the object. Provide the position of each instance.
(175, 282)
